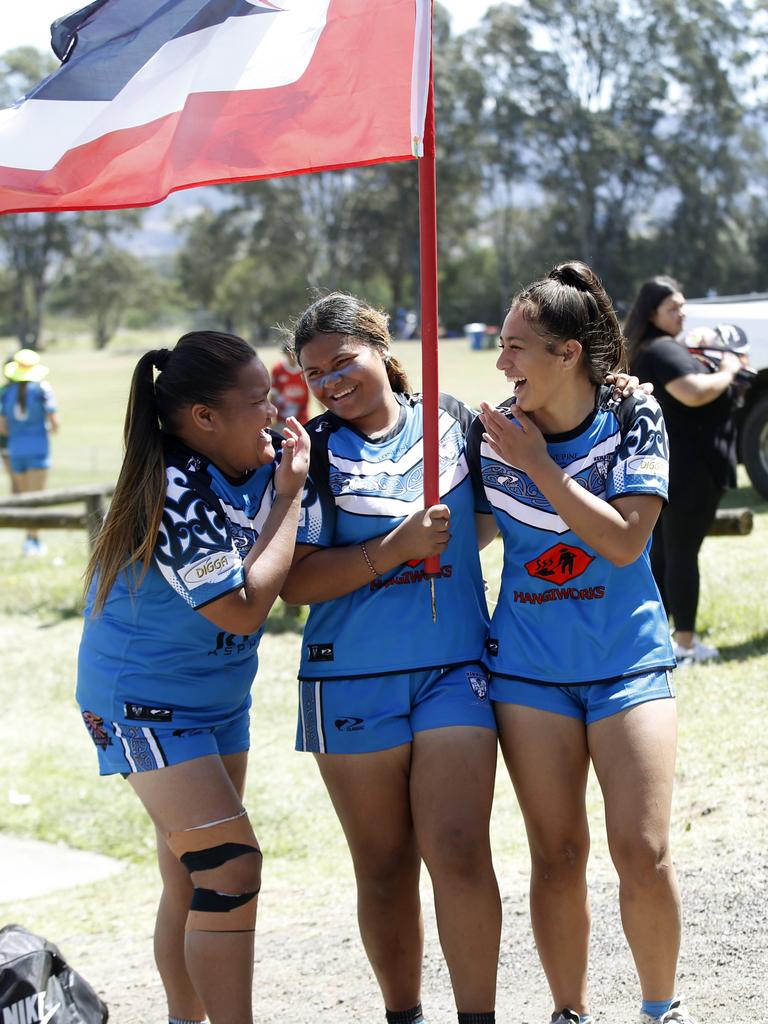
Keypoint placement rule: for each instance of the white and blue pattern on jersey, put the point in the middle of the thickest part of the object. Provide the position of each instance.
(565, 614)
(359, 489)
(150, 645)
(189, 526)
(640, 467)
(646, 454)
(391, 483)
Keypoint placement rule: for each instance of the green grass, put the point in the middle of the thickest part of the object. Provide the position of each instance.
(723, 767)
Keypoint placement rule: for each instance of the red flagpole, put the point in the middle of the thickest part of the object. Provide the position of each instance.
(428, 264)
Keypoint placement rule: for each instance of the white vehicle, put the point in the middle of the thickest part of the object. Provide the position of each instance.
(750, 312)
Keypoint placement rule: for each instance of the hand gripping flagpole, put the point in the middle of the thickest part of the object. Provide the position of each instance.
(428, 266)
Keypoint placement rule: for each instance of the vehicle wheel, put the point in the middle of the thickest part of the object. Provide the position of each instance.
(754, 445)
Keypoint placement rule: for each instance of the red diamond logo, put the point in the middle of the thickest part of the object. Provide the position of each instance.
(559, 564)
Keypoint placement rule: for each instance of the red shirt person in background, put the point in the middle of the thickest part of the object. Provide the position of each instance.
(290, 393)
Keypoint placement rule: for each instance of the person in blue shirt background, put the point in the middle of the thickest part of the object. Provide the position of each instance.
(193, 552)
(27, 416)
(579, 647)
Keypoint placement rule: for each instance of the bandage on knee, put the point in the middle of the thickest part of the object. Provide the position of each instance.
(207, 847)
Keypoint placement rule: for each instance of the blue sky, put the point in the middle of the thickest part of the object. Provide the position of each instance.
(30, 21)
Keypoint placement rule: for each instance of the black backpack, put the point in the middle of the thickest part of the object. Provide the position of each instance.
(37, 985)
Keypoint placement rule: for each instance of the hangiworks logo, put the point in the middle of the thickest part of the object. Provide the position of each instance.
(559, 564)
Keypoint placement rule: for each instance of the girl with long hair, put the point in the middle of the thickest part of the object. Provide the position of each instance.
(698, 406)
(195, 547)
(579, 649)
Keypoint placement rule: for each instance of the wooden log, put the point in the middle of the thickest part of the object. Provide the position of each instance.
(730, 522)
(95, 510)
(48, 519)
(65, 496)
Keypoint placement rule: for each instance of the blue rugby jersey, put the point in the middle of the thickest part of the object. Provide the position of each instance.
(27, 428)
(150, 648)
(359, 489)
(565, 614)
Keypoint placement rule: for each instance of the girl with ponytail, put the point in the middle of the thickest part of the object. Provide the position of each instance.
(195, 547)
(393, 704)
(579, 649)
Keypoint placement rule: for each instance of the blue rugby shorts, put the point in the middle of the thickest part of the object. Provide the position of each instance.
(358, 716)
(588, 702)
(144, 742)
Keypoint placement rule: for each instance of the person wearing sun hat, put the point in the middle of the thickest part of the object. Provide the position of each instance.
(27, 416)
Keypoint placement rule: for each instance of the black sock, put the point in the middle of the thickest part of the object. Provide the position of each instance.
(413, 1016)
(477, 1018)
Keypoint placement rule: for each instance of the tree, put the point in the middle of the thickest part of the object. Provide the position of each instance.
(708, 153)
(100, 278)
(104, 282)
(212, 243)
(34, 244)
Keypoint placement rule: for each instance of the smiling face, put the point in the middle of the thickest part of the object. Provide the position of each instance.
(350, 378)
(669, 315)
(239, 422)
(536, 367)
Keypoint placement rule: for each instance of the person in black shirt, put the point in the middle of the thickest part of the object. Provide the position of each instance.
(698, 411)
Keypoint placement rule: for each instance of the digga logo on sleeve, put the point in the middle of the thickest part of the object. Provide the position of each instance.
(209, 569)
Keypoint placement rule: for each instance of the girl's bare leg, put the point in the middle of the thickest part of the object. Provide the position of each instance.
(370, 793)
(548, 761)
(634, 758)
(217, 966)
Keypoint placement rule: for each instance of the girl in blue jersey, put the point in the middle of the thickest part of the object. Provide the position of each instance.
(393, 704)
(579, 647)
(194, 549)
(27, 418)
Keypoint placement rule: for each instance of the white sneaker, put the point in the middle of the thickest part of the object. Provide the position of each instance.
(698, 652)
(566, 1016)
(676, 1014)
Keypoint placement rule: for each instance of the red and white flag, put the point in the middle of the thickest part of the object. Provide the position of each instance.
(155, 97)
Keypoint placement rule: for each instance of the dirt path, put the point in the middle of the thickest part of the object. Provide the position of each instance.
(310, 965)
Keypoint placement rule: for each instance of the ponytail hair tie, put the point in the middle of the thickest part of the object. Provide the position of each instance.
(568, 274)
(160, 358)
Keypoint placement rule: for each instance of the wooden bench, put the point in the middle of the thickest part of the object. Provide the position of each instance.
(33, 511)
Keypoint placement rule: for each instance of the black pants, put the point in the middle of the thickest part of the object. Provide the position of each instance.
(680, 531)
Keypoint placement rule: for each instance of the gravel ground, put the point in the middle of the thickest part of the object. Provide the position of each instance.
(310, 965)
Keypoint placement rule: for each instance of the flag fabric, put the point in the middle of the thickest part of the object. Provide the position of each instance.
(153, 97)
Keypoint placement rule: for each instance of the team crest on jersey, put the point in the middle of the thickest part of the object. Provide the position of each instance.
(479, 684)
(95, 726)
(559, 564)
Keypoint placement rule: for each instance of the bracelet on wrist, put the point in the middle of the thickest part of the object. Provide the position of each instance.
(374, 571)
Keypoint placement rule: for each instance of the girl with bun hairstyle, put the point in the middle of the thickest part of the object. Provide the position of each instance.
(195, 547)
(579, 649)
(394, 703)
